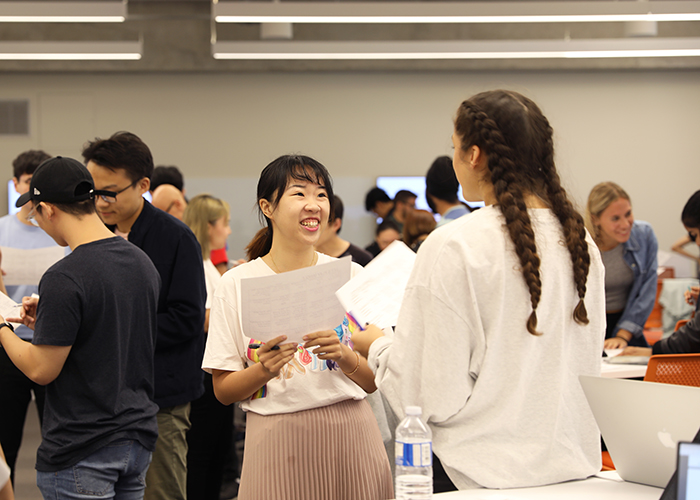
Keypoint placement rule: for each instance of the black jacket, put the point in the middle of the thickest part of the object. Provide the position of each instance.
(177, 256)
(685, 340)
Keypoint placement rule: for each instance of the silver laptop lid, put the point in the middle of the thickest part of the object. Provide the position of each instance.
(688, 471)
(642, 423)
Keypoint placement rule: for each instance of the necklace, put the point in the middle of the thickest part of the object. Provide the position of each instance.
(277, 269)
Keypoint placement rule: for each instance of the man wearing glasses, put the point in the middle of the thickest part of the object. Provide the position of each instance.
(94, 338)
(123, 164)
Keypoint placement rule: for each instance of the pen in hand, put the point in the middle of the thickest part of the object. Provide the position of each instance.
(257, 346)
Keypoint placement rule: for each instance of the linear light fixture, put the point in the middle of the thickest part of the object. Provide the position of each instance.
(70, 51)
(63, 12)
(472, 49)
(455, 12)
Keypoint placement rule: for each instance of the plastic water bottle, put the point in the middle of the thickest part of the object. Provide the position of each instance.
(414, 458)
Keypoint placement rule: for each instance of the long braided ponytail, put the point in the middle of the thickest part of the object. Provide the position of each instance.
(571, 221)
(517, 140)
(503, 163)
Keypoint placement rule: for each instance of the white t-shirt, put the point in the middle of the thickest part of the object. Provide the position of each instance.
(505, 407)
(212, 276)
(304, 383)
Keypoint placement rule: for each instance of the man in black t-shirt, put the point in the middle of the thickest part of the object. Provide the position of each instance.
(94, 339)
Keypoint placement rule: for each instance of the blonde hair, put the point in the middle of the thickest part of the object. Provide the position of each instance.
(600, 198)
(201, 211)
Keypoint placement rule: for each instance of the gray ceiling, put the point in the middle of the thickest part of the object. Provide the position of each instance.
(176, 36)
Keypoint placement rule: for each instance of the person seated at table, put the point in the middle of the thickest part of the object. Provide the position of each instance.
(499, 317)
(629, 249)
(686, 339)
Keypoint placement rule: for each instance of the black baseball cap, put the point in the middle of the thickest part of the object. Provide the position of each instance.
(61, 180)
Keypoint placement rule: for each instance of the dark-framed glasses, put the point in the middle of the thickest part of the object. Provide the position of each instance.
(111, 196)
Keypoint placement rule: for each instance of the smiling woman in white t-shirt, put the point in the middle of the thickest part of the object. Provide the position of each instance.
(310, 433)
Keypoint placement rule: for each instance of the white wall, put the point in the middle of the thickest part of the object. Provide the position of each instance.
(637, 128)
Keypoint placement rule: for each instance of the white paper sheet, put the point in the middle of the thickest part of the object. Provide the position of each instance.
(26, 267)
(294, 303)
(374, 295)
(9, 308)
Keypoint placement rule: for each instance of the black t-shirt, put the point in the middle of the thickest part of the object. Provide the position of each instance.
(358, 255)
(101, 299)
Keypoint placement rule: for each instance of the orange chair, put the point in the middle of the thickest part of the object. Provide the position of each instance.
(679, 369)
(607, 462)
(680, 323)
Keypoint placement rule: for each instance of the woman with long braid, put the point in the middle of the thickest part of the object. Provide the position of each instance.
(503, 311)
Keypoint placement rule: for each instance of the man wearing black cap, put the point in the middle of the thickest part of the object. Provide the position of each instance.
(94, 338)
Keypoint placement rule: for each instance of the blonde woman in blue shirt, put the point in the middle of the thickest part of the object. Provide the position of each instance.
(629, 249)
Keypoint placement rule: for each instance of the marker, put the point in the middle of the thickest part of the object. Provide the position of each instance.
(258, 346)
(355, 320)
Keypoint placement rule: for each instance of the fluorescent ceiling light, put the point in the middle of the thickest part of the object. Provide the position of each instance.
(70, 51)
(455, 12)
(63, 12)
(473, 49)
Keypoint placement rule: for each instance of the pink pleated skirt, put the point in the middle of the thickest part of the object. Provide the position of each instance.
(329, 453)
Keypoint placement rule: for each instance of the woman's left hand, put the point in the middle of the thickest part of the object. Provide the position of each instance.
(326, 343)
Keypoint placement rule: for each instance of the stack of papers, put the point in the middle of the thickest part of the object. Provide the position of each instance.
(316, 298)
(374, 296)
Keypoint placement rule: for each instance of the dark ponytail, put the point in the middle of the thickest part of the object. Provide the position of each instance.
(260, 244)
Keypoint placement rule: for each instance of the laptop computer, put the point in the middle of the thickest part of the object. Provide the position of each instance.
(688, 471)
(642, 423)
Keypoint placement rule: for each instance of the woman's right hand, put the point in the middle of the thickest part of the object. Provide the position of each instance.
(272, 360)
(691, 296)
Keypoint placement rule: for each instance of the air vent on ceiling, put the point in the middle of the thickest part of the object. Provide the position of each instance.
(14, 117)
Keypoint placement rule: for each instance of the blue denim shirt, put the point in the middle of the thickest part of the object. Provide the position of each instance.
(640, 254)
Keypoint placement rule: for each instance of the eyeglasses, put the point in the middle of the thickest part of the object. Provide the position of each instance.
(31, 217)
(112, 198)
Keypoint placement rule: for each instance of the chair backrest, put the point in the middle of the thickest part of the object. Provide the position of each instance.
(679, 369)
(680, 323)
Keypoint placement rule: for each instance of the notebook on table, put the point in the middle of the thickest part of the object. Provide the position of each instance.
(642, 423)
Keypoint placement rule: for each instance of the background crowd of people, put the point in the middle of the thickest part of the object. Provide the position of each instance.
(137, 336)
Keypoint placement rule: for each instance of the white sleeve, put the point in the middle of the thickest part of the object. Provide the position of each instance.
(429, 362)
(223, 350)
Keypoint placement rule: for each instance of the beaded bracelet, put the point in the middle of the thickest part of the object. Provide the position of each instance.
(356, 367)
(623, 338)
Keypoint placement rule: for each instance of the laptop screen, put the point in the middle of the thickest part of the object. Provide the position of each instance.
(688, 471)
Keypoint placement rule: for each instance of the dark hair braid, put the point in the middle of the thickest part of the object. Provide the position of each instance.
(488, 136)
(571, 221)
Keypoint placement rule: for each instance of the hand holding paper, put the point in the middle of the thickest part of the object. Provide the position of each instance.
(294, 303)
(273, 355)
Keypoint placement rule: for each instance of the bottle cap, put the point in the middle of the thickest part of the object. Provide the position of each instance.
(414, 410)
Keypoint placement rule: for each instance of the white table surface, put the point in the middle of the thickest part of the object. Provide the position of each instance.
(622, 371)
(604, 486)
